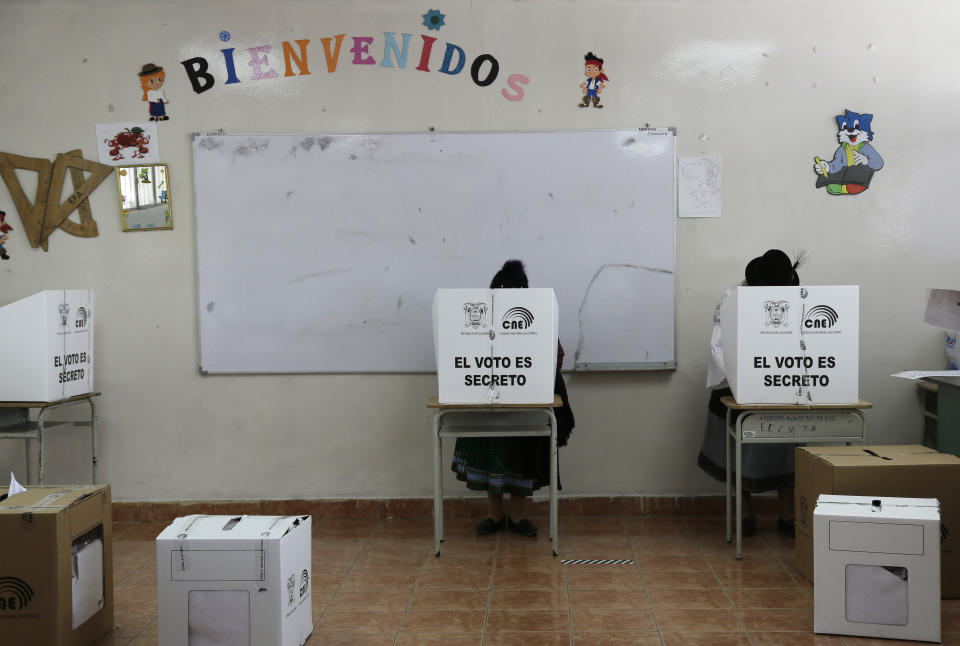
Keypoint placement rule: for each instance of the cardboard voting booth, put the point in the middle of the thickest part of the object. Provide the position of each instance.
(224, 580)
(47, 346)
(495, 345)
(877, 564)
(56, 566)
(903, 471)
(792, 345)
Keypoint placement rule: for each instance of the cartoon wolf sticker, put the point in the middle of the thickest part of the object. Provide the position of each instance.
(855, 160)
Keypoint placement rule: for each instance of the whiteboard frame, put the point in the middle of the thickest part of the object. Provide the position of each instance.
(581, 366)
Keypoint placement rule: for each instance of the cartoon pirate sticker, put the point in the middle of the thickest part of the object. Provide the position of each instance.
(596, 80)
(855, 160)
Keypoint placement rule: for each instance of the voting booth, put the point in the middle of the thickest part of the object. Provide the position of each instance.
(877, 567)
(234, 580)
(495, 345)
(47, 346)
(792, 345)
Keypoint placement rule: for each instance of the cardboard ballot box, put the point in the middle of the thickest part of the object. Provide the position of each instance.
(56, 566)
(495, 345)
(903, 471)
(47, 346)
(792, 345)
(877, 563)
(234, 580)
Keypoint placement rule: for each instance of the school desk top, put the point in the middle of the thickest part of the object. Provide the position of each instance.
(68, 400)
(731, 403)
(433, 403)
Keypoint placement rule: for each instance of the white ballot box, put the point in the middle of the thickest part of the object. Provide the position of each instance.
(792, 345)
(224, 580)
(495, 345)
(47, 346)
(877, 567)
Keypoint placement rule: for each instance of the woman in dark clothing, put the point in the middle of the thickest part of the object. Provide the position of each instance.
(765, 466)
(515, 465)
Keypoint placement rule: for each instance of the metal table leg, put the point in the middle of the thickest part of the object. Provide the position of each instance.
(554, 529)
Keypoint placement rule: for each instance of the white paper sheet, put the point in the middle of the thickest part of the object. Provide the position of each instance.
(920, 374)
(15, 487)
(699, 187)
(127, 143)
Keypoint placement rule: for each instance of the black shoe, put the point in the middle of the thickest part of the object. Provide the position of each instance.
(524, 527)
(786, 527)
(491, 526)
(748, 527)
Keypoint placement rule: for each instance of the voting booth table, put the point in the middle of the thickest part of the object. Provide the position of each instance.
(496, 352)
(792, 360)
(48, 365)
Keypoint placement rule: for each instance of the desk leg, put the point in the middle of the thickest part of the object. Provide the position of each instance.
(726, 460)
(93, 442)
(554, 528)
(40, 417)
(739, 491)
(437, 486)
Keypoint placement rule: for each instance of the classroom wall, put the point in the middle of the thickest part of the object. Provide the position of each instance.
(754, 82)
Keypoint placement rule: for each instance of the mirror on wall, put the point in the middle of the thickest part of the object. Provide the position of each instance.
(144, 197)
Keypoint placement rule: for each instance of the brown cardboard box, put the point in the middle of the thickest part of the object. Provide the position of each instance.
(903, 471)
(39, 529)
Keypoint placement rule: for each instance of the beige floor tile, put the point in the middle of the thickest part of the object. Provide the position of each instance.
(370, 600)
(449, 599)
(795, 639)
(540, 638)
(710, 598)
(607, 599)
(625, 638)
(510, 599)
(595, 619)
(697, 620)
(527, 621)
(417, 638)
(655, 581)
(347, 638)
(777, 620)
(769, 598)
(705, 639)
(604, 576)
(360, 621)
(460, 621)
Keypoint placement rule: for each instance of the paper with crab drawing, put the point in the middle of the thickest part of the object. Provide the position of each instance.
(128, 142)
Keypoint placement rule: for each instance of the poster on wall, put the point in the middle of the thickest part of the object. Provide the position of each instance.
(128, 142)
(699, 187)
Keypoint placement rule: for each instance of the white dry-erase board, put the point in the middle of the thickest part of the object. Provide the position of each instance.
(321, 253)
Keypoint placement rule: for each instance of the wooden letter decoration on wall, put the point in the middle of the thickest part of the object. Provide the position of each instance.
(46, 214)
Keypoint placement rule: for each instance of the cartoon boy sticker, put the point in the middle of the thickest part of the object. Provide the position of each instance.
(596, 80)
(854, 162)
(151, 80)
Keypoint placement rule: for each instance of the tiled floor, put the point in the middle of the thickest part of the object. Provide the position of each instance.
(376, 582)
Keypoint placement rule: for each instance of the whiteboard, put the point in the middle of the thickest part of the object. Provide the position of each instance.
(321, 253)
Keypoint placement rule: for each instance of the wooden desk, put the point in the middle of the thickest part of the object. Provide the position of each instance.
(492, 420)
(15, 424)
(785, 424)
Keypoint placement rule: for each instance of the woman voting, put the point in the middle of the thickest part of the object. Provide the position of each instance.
(515, 465)
(765, 466)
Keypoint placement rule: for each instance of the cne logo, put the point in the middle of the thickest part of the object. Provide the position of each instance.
(475, 315)
(15, 594)
(304, 583)
(820, 317)
(82, 316)
(517, 318)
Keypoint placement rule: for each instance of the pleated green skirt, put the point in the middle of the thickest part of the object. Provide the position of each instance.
(514, 465)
